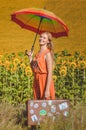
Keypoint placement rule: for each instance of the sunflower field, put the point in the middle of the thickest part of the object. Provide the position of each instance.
(16, 77)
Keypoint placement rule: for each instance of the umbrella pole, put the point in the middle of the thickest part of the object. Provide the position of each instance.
(32, 48)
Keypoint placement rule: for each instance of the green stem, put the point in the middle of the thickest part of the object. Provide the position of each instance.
(84, 74)
(73, 77)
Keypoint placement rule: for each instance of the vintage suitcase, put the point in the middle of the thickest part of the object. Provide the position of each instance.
(39, 110)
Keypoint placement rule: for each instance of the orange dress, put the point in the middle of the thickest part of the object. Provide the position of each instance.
(40, 77)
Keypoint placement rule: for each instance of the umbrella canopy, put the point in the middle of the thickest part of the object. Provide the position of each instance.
(40, 20)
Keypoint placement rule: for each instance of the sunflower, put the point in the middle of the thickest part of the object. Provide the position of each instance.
(28, 71)
(62, 72)
(14, 69)
(16, 61)
(22, 65)
(82, 64)
(63, 68)
(72, 65)
(54, 77)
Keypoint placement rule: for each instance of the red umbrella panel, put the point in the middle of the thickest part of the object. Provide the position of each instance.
(39, 21)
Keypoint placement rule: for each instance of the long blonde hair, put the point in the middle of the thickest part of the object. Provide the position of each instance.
(50, 44)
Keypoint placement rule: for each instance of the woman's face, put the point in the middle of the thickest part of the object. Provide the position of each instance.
(43, 40)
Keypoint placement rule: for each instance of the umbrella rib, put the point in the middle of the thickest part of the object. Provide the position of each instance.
(30, 19)
(53, 25)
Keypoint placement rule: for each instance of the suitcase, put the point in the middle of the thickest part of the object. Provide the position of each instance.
(39, 110)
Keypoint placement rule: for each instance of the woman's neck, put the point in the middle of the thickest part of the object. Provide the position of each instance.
(42, 48)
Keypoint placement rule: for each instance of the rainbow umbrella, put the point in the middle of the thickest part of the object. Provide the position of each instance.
(40, 20)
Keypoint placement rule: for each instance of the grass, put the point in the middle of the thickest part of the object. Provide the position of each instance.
(15, 39)
(13, 118)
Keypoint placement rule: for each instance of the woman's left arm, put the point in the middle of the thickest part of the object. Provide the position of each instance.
(49, 63)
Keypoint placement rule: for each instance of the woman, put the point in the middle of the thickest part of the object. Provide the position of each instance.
(41, 65)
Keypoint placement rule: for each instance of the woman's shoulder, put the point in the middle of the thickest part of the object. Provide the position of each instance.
(46, 51)
(48, 55)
